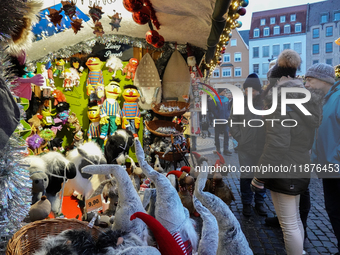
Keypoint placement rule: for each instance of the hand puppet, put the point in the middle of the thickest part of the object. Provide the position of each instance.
(130, 111)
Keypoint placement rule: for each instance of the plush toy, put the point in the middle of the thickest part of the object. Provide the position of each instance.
(117, 146)
(78, 139)
(231, 239)
(45, 87)
(40, 210)
(58, 97)
(35, 123)
(157, 165)
(59, 170)
(95, 76)
(116, 18)
(77, 64)
(114, 64)
(59, 68)
(169, 210)
(47, 119)
(73, 120)
(93, 133)
(130, 68)
(98, 29)
(130, 111)
(63, 109)
(56, 144)
(48, 67)
(38, 176)
(110, 112)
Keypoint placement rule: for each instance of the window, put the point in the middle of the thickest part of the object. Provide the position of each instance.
(329, 47)
(256, 32)
(315, 48)
(286, 29)
(238, 72)
(265, 51)
(283, 19)
(265, 67)
(266, 31)
(256, 68)
(329, 31)
(276, 30)
(255, 52)
(293, 17)
(315, 62)
(216, 73)
(226, 58)
(226, 72)
(316, 33)
(263, 22)
(237, 57)
(337, 16)
(324, 18)
(272, 20)
(298, 47)
(286, 46)
(297, 27)
(329, 61)
(276, 50)
(233, 42)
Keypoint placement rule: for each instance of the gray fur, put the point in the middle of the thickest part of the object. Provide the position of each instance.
(51, 242)
(231, 239)
(38, 176)
(149, 200)
(128, 203)
(142, 250)
(209, 237)
(169, 210)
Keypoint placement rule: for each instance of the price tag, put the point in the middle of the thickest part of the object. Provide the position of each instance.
(94, 204)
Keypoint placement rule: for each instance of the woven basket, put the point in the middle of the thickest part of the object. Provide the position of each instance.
(170, 156)
(181, 105)
(28, 238)
(154, 124)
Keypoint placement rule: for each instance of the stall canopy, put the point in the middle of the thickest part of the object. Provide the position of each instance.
(181, 22)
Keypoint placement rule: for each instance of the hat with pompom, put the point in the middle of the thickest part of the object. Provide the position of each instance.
(286, 65)
(321, 72)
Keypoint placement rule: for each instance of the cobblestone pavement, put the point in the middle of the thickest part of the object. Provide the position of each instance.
(264, 239)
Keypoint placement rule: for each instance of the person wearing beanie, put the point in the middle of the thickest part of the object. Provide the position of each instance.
(250, 145)
(326, 147)
(287, 145)
(222, 112)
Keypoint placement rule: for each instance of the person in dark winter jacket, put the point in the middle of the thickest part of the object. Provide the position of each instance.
(288, 146)
(222, 112)
(326, 148)
(250, 145)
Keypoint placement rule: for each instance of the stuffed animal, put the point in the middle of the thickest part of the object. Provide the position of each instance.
(38, 176)
(56, 144)
(58, 97)
(114, 64)
(35, 123)
(110, 112)
(40, 210)
(130, 68)
(59, 68)
(117, 146)
(77, 64)
(95, 76)
(130, 111)
(93, 133)
(67, 85)
(157, 165)
(73, 120)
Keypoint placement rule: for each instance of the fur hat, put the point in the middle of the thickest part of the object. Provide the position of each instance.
(321, 72)
(286, 65)
(252, 81)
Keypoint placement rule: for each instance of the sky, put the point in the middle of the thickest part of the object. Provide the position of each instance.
(263, 5)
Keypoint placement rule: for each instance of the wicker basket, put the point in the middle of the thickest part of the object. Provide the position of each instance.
(170, 156)
(28, 238)
(181, 105)
(154, 124)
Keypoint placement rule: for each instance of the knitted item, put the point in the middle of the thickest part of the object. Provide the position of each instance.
(321, 72)
(252, 81)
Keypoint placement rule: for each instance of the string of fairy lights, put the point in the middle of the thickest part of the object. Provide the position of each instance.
(236, 9)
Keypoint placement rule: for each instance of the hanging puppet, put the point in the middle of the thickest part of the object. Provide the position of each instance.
(95, 12)
(130, 111)
(110, 112)
(116, 18)
(69, 8)
(77, 64)
(95, 76)
(93, 133)
(98, 29)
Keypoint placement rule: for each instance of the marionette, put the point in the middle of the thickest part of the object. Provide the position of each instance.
(77, 64)
(59, 68)
(110, 112)
(67, 80)
(130, 68)
(95, 76)
(130, 111)
(93, 133)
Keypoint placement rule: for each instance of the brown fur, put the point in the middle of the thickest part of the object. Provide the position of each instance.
(72, 119)
(289, 58)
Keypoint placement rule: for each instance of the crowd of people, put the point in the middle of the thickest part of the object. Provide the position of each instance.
(315, 140)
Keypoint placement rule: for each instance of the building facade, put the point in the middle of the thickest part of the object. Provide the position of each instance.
(234, 67)
(322, 30)
(273, 31)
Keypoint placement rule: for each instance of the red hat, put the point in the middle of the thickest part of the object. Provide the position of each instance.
(197, 156)
(217, 163)
(166, 243)
(222, 161)
(177, 173)
(185, 169)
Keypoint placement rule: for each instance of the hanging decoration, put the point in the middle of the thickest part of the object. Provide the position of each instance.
(116, 18)
(142, 17)
(95, 12)
(76, 25)
(55, 16)
(153, 14)
(152, 37)
(98, 29)
(69, 8)
(133, 5)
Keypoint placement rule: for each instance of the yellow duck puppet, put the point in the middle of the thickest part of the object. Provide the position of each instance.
(93, 133)
(94, 78)
(110, 111)
(130, 111)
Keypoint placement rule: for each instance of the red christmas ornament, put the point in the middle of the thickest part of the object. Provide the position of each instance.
(152, 36)
(160, 42)
(142, 17)
(242, 11)
(133, 5)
